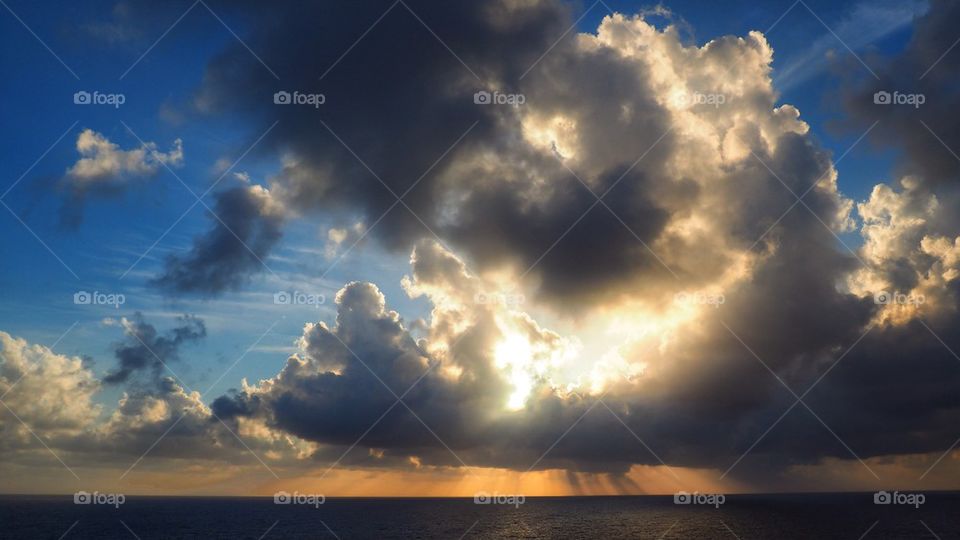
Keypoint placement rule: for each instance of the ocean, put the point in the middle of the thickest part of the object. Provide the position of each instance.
(819, 516)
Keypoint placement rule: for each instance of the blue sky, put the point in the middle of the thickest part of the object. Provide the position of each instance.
(116, 231)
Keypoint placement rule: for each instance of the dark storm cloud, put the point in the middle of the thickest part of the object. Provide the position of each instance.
(704, 409)
(399, 99)
(246, 225)
(928, 66)
(339, 387)
(147, 350)
(355, 395)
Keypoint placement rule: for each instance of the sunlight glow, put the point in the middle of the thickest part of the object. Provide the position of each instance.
(514, 355)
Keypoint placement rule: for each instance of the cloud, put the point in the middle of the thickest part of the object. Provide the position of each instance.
(146, 350)
(490, 384)
(53, 404)
(339, 240)
(247, 222)
(910, 226)
(48, 391)
(519, 191)
(703, 170)
(106, 169)
(354, 371)
(119, 29)
(104, 161)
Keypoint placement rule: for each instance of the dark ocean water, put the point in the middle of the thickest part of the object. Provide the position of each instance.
(820, 516)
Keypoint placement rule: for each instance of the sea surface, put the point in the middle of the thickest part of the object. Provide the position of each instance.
(817, 516)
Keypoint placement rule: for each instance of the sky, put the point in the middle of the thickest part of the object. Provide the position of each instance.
(411, 248)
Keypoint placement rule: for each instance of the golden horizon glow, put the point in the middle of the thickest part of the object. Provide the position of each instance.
(443, 482)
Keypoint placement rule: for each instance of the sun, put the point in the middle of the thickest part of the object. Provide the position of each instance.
(514, 356)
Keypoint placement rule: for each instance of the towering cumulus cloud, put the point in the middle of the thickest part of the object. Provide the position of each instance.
(637, 170)
(671, 136)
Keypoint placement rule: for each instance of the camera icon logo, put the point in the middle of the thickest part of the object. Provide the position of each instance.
(882, 298)
(281, 497)
(282, 98)
(482, 97)
(682, 497)
(882, 497)
(881, 98)
(82, 298)
(281, 298)
(82, 497)
(481, 497)
(81, 98)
